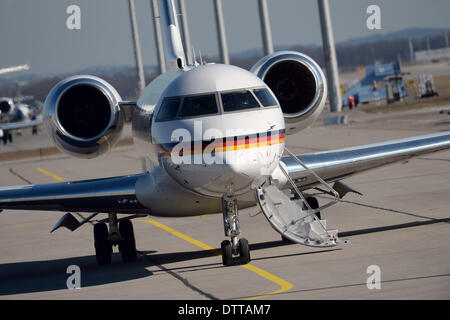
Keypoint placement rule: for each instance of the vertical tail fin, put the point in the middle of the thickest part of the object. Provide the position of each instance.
(175, 56)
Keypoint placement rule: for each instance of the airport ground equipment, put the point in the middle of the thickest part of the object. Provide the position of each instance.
(378, 82)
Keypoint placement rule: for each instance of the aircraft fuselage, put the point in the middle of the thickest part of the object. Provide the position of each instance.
(215, 129)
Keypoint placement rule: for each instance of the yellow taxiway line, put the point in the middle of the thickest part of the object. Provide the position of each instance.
(54, 176)
(284, 285)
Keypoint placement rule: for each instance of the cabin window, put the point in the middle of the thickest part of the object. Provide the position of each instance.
(265, 97)
(240, 100)
(168, 109)
(199, 106)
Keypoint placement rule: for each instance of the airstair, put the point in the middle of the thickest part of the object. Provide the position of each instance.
(293, 217)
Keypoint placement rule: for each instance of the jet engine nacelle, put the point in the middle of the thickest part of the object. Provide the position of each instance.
(6, 107)
(83, 116)
(299, 85)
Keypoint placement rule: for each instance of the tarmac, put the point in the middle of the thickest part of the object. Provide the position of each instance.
(399, 228)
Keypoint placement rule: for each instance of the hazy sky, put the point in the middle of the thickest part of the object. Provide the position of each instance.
(35, 32)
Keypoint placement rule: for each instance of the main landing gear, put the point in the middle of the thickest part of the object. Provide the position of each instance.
(234, 246)
(120, 234)
(7, 136)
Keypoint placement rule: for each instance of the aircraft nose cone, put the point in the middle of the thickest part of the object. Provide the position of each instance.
(214, 175)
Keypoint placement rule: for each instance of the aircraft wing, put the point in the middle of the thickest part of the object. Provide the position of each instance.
(116, 194)
(335, 165)
(19, 125)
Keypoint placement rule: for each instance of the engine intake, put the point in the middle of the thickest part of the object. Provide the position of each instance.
(5, 105)
(83, 116)
(299, 85)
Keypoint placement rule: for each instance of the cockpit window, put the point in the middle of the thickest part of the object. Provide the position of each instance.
(199, 106)
(168, 109)
(240, 100)
(265, 97)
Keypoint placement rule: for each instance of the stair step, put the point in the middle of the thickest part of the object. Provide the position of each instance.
(288, 218)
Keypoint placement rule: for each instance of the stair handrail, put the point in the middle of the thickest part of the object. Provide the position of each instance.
(300, 194)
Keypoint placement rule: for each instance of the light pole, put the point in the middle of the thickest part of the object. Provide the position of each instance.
(265, 27)
(158, 36)
(136, 47)
(221, 35)
(330, 56)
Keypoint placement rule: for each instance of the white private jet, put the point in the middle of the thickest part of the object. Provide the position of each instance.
(15, 115)
(214, 136)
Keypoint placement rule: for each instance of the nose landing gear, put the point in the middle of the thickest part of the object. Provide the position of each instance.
(234, 246)
(7, 136)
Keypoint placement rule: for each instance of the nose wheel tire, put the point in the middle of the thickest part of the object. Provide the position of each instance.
(227, 253)
(127, 244)
(103, 246)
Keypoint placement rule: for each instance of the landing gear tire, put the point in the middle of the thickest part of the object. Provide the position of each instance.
(103, 246)
(5, 137)
(127, 244)
(227, 253)
(244, 251)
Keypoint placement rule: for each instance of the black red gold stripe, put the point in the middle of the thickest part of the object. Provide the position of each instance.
(232, 143)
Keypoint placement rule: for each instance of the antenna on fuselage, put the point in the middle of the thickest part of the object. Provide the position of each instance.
(194, 58)
(201, 57)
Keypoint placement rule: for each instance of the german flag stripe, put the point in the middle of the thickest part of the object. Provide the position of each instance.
(228, 144)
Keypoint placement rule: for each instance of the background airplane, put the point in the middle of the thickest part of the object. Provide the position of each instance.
(282, 94)
(14, 114)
